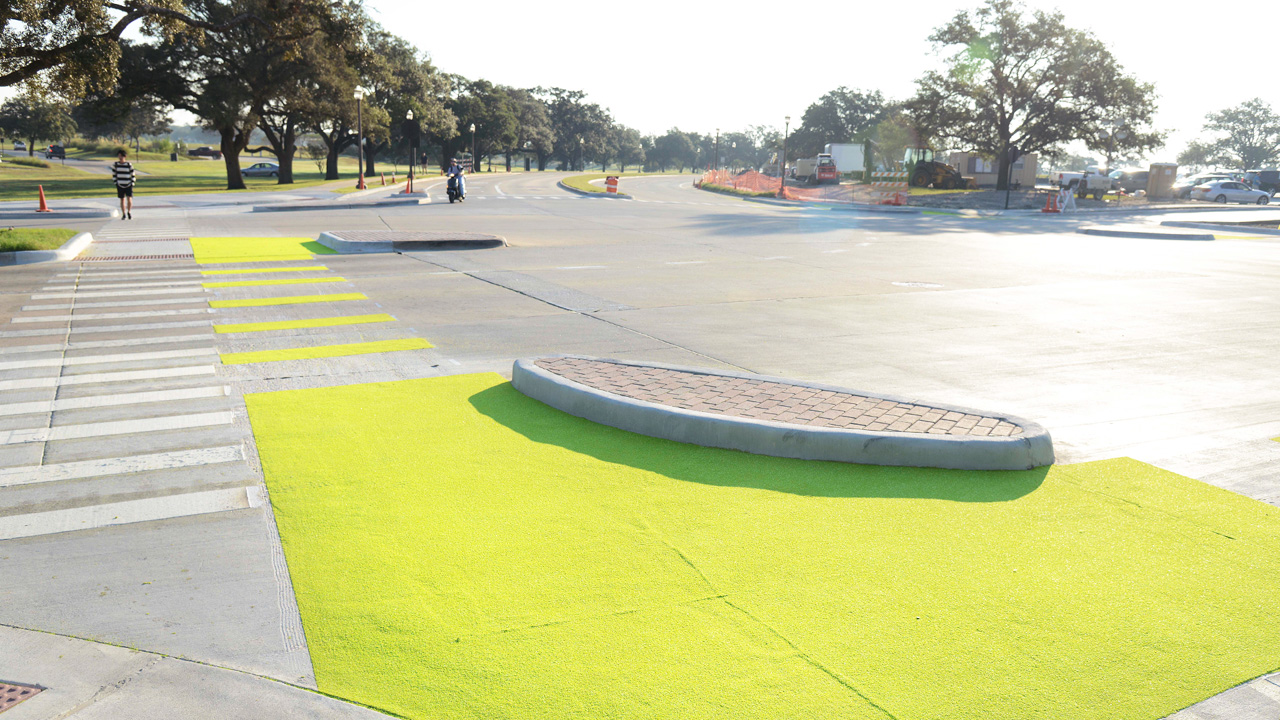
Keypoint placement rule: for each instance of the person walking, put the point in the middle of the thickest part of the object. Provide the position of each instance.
(122, 171)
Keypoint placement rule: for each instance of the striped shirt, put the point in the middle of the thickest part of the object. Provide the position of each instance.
(123, 172)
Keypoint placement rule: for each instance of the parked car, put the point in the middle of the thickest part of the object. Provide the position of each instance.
(1182, 188)
(19, 145)
(1268, 180)
(1130, 181)
(262, 169)
(55, 151)
(1225, 191)
(205, 152)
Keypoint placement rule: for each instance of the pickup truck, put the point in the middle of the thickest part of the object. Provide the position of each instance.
(1087, 184)
(205, 152)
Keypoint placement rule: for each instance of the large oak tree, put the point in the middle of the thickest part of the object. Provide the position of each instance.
(1023, 80)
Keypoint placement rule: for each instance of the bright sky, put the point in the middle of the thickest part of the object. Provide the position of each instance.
(698, 65)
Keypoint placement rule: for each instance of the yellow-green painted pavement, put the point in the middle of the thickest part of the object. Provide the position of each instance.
(247, 271)
(460, 550)
(325, 351)
(290, 300)
(255, 249)
(262, 283)
(302, 324)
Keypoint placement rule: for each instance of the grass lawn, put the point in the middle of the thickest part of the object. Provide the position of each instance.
(18, 182)
(459, 550)
(583, 182)
(14, 239)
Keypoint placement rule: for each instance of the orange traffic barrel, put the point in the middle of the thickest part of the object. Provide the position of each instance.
(611, 184)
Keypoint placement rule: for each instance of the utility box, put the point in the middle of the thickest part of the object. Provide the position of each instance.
(849, 157)
(1160, 181)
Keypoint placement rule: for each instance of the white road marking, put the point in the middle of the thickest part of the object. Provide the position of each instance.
(498, 189)
(105, 328)
(117, 303)
(109, 316)
(833, 252)
(117, 285)
(582, 267)
(96, 359)
(97, 401)
(122, 513)
(124, 274)
(778, 257)
(119, 466)
(115, 293)
(91, 378)
(118, 427)
(688, 262)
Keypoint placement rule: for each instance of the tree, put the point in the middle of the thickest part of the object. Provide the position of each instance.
(581, 128)
(74, 45)
(1023, 82)
(674, 148)
(534, 132)
(1248, 138)
(35, 117)
(840, 116)
(628, 147)
(400, 79)
(492, 110)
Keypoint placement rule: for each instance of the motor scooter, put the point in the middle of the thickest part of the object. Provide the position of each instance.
(457, 188)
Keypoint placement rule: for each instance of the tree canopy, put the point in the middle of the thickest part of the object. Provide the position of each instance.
(1023, 80)
(840, 116)
(1246, 137)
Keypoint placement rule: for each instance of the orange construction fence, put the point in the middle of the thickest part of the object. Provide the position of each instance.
(886, 188)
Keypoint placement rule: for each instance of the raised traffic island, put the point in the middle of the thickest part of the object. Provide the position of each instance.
(781, 417)
(385, 241)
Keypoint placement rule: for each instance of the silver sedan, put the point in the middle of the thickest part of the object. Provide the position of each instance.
(262, 170)
(1225, 191)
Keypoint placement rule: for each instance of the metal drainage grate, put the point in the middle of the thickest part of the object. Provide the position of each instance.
(11, 694)
(113, 258)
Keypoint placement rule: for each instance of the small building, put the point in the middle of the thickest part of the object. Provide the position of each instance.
(985, 170)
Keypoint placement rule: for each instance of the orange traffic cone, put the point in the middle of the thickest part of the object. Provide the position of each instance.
(1051, 204)
(393, 177)
(44, 207)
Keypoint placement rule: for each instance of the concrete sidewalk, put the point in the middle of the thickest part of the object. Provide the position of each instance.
(91, 681)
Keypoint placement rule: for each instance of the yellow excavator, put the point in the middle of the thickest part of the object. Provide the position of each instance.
(928, 172)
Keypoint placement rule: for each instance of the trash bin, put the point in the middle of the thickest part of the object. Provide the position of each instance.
(173, 157)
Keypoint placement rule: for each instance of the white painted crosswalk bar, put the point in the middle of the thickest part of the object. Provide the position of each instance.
(109, 316)
(117, 303)
(106, 467)
(117, 285)
(100, 359)
(92, 378)
(87, 344)
(97, 401)
(117, 427)
(116, 293)
(127, 512)
(144, 327)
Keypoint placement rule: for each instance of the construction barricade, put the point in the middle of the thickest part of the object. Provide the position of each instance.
(886, 188)
(890, 188)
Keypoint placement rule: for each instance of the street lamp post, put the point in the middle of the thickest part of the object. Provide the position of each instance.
(734, 154)
(716, 163)
(782, 159)
(475, 160)
(359, 96)
(582, 154)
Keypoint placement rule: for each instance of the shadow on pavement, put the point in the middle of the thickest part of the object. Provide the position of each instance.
(728, 468)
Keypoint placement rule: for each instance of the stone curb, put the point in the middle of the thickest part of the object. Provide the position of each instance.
(374, 190)
(349, 247)
(69, 250)
(619, 196)
(1237, 229)
(1033, 448)
(1144, 234)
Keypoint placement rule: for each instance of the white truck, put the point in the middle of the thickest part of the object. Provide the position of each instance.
(849, 157)
(1087, 183)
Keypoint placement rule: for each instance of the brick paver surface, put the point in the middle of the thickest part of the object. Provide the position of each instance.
(774, 401)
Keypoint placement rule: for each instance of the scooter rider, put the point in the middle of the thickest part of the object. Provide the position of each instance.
(455, 171)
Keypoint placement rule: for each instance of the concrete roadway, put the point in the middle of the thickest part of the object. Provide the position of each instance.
(1156, 349)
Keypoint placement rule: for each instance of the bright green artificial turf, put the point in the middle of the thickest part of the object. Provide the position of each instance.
(255, 249)
(461, 551)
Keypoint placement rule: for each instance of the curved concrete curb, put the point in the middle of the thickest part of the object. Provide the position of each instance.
(69, 250)
(461, 241)
(605, 195)
(1223, 228)
(1033, 448)
(1144, 234)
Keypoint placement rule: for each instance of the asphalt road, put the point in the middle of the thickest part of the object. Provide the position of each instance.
(1161, 350)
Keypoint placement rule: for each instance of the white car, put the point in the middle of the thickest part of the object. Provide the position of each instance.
(1225, 191)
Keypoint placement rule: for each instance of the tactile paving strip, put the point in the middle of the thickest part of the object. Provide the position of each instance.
(772, 401)
(11, 694)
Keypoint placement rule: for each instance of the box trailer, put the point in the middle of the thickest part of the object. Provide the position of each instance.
(849, 157)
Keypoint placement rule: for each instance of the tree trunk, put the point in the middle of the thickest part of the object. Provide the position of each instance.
(284, 155)
(508, 156)
(1002, 178)
(231, 144)
(331, 164)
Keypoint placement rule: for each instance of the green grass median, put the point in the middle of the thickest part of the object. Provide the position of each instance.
(460, 550)
(18, 239)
